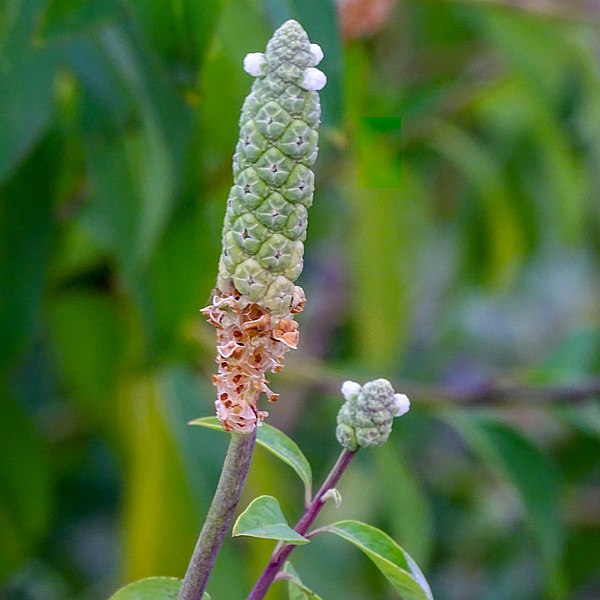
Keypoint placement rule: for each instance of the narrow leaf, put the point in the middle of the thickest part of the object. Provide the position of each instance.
(278, 444)
(296, 589)
(507, 451)
(263, 519)
(399, 568)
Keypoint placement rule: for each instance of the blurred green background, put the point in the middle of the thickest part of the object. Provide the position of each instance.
(471, 280)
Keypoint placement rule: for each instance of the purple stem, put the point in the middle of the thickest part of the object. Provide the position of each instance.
(279, 557)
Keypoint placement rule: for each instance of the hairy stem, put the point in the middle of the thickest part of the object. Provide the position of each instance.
(220, 515)
(281, 554)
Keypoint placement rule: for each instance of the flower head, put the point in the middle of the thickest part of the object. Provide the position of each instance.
(265, 224)
(365, 419)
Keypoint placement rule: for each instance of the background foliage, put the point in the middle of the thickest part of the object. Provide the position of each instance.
(117, 125)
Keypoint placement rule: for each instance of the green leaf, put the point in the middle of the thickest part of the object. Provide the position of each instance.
(263, 519)
(135, 156)
(87, 333)
(575, 358)
(585, 417)
(25, 104)
(506, 450)
(504, 236)
(278, 444)
(155, 472)
(153, 588)
(399, 568)
(415, 529)
(65, 18)
(26, 232)
(25, 481)
(296, 589)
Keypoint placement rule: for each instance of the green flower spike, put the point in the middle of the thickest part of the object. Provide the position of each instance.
(365, 419)
(265, 224)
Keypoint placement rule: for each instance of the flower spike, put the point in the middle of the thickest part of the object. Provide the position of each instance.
(256, 298)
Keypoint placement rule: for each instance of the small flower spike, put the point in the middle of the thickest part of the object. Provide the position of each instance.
(255, 300)
(365, 419)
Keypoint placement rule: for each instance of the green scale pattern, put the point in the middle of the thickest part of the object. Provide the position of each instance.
(267, 209)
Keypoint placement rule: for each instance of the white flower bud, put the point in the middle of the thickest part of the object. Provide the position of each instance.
(317, 52)
(350, 389)
(401, 404)
(253, 63)
(313, 80)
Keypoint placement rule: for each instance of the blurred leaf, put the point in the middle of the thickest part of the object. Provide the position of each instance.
(26, 228)
(278, 444)
(575, 358)
(540, 57)
(407, 507)
(90, 339)
(73, 17)
(296, 589)
(502, 238)
(27, 73)
(25, 104)
(135, 173)
(586, 418)
(263, 519)
(504, 449)
(25, 481)
(157, 492)
(399, 568)
(179, 278)
(180, 31)
(381, 236)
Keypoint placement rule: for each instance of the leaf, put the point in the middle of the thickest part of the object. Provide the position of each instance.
(25, 481)
(399, 568)
(278, 444)
(503, 236)
(180, 31)
(158, 490)
(65, 18)
(585, 417)
(26, 100)
(263, 519)
(296, 589)
(87, 332)
(504, 449)
(415, 529)
(137, 130)
(575, 358)
(153, 588)
(26, 232)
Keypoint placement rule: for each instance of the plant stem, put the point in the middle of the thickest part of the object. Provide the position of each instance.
(220, 514)
(280, 555)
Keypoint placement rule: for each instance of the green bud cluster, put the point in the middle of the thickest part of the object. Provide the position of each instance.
(267, 209)
(365, 419)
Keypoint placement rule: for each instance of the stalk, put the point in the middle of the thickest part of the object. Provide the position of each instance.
(279, 556)
(220, 515)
